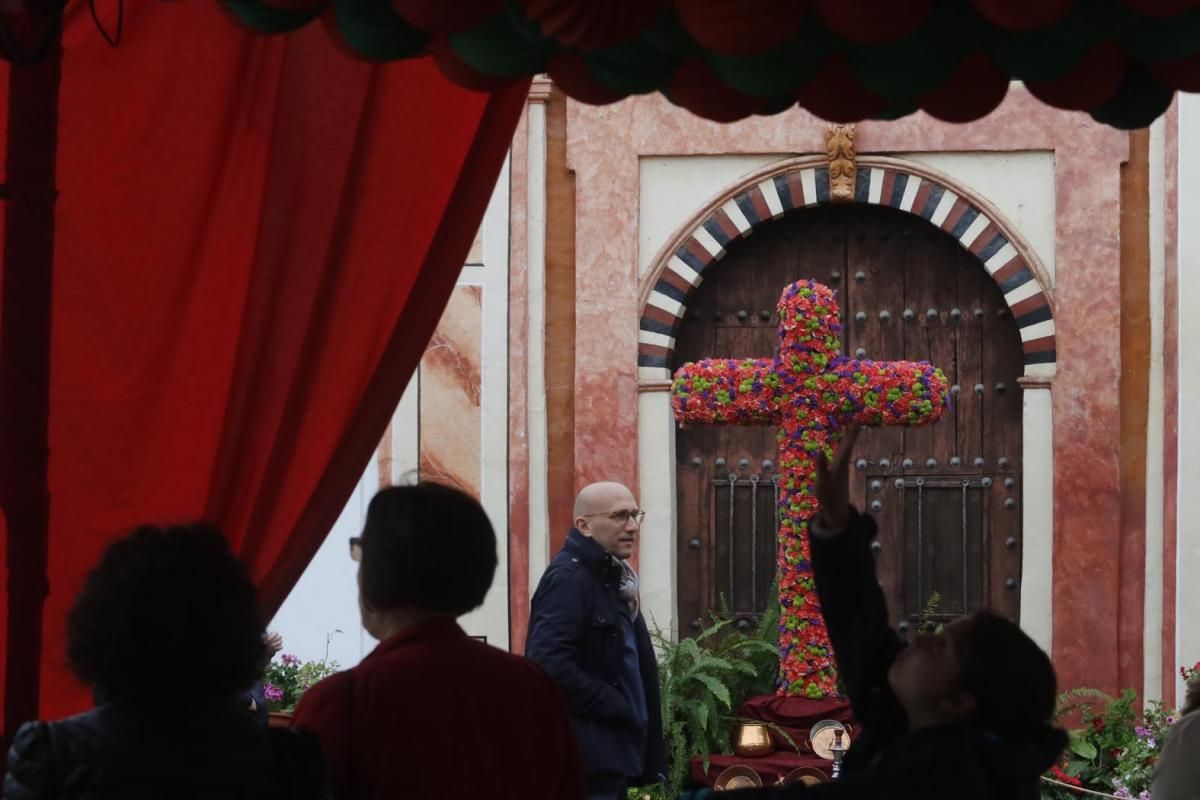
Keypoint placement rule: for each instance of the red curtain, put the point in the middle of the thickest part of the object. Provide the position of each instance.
(255, 238)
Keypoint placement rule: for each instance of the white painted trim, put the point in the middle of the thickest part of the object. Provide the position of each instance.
(660, 339)
(681, 268)
(656, 493)
(707, 241)
(1041, 370)
(668, 304)
(973, 230)
(875, 186)
(1000, 258)
(943, 209)
(808, 182)
(771, 195)
(910, 193)
(406, 434)
(492, 618)
(1152, 624)
(473, 274)
(535, 376)
(1037, 518)
(734, 212)
(653, 373)
(1187, 540)
(1039, 330)
(1022, 292)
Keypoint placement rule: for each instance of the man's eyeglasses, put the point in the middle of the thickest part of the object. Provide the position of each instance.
(623, 516)
(356, 548)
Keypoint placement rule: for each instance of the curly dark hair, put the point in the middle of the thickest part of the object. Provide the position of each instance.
(167, 613)
(427, 546)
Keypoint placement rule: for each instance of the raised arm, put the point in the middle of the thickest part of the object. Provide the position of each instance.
(851, 599)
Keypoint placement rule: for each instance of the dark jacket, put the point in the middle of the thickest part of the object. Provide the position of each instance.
(887, 760)
(432, 714)
(120, 751)
(575, 635)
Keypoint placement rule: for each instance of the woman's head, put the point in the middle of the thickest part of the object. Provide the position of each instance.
(167, 614)
(983, 670)
(428, 549)
(1191, 701)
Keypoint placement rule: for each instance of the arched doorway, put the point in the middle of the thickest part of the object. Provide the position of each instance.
(948, 498)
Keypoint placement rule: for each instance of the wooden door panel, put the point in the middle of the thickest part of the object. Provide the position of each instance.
(880, 261)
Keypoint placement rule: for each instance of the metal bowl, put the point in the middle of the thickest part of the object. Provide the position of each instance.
(809, 776)
(737, 777)
(822, 737)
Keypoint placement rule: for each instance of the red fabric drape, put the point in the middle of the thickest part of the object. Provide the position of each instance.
(255, 238)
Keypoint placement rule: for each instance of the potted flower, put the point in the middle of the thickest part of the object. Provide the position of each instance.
(286, 679)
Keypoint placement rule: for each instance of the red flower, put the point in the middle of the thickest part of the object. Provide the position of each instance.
(1064, 777)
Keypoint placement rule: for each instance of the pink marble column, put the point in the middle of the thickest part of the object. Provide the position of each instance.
(1171, 404)
(518, 453)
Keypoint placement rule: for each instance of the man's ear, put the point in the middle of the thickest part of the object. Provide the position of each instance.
(581, 525)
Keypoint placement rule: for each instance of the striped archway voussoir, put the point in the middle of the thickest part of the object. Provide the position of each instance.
(805, 186)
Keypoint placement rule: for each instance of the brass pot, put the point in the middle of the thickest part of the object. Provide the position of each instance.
(738, 776)
(752, 740)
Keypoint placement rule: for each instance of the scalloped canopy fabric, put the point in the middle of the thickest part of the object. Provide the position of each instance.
(1119, 60)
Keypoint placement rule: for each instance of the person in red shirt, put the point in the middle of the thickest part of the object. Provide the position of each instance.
(431, 712)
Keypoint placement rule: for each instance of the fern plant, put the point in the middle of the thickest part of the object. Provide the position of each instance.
(703, 680)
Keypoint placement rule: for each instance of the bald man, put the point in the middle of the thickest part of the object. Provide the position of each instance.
(586, 630)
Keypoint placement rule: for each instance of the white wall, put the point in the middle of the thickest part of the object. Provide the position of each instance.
(672, 189)
(1019, 184)
(324, 603)
(1187, 564)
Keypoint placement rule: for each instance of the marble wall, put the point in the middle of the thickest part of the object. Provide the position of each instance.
(451, 386)
(606, 148)
(450, 426)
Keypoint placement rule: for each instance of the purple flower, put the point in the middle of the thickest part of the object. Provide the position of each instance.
(273, 693)
(1141, 732)
(290, 660)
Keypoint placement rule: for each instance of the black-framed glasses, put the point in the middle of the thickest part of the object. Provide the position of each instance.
(356, 548)
(623, 516)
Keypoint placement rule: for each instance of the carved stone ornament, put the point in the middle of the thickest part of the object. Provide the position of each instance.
(839, 146)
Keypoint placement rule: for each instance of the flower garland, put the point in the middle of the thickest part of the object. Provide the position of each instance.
(811, 392)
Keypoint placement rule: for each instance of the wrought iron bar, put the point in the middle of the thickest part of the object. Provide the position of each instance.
(754, 543)
(965, 599)
(732, 484)
(920, 545)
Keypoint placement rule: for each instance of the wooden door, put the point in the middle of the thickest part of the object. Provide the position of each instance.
(947, 497)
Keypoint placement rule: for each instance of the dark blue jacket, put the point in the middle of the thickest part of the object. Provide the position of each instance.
(575, 635)
(124, 751)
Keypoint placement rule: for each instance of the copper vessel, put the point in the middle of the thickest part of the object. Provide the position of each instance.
(737, 777)
(752, 741)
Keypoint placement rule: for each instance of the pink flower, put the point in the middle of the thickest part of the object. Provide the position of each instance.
(273, 693)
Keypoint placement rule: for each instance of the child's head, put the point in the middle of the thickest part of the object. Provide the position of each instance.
(982, 670)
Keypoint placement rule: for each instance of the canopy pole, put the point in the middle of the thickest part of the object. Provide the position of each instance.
(25, 294)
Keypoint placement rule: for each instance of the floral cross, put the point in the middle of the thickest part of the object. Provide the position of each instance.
(811, 392)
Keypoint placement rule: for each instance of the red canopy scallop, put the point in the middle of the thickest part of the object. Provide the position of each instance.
(741, 28)
(873, 21)
(593, 23)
